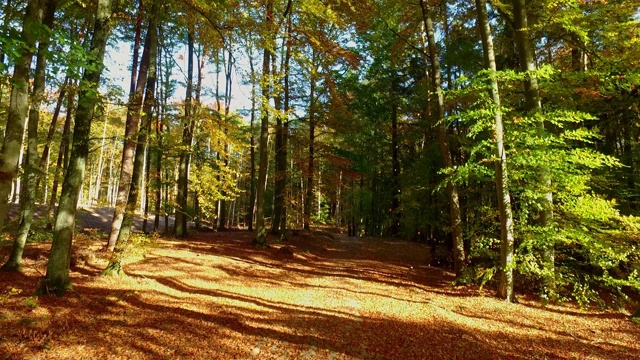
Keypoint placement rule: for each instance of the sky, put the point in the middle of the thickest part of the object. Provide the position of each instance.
(117, 73)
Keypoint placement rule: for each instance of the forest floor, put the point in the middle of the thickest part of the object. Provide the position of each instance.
(316, 296)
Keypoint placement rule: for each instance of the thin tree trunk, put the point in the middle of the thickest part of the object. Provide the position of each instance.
(185, 153)
(526, 53)
(505, 288)
(28, 197)
(57, 276)
(227, 108)
(62, 161)
(395, 163)
(130, 134)
(459, 257)
(149, 55)
(18, 104)
(261, 238)
(44, 159)
(308, 202)
(285, 128)
(280, 166)
(252, 150)
(98, 184)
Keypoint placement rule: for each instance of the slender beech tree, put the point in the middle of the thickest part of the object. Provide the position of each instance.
(505, 288)
(57, 276)
(526, 54)
(252, 150)
(63, 154)
(261, 237)
(180, 229)
(18, 103)
(150, 49)
(459, 258)
(52, 130)
(308, 201)
(285, 125)
(130, 133)
(28, 195)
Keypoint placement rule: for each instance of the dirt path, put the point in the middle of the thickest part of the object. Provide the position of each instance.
(214, 296)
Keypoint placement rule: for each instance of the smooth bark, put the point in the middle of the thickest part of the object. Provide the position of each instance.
(150, 49)
(261, 236)
(459, 258)
(505, 287)
(31, 173)
(57, 276)
(180, 228)
(130, 135)
(18, 104)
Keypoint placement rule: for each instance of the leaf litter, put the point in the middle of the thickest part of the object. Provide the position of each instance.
(214, 296)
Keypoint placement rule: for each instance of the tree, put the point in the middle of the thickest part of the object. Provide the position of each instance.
(57, 276)
(130, 134)
(149, 56)
(459, 258)
(505, 289)
(533, 105)
(18, 104)
(185, 152)
(261, 236)
(28, 195)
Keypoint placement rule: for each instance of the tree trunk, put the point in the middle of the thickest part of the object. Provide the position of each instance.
(57, 277)
(227, 108)
(459, 258)
(252, 150)
(31, 173)
(285, 129)
(96, 195)
(185, 153)
(261, 238)
(526, 53)
(505, 288)
(280, 167)
(308, 202)
(52, 129)
(130, 135)
(62, 161)
(395, 163)
(149, 55)
(18, 104)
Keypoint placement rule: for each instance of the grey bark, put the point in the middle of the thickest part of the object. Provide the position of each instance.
(505, 288)
(130, 134)
(57, 276)
(18, 104)
(31, 172)
(261, 236)
(149, 55)
(459, 258)
(185, 153)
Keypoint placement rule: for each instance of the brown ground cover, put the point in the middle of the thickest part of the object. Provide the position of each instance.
(214, 296)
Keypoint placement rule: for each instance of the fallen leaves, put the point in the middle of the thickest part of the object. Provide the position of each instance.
(214, 296)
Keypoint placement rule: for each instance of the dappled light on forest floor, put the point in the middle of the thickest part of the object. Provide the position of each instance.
(214, 296)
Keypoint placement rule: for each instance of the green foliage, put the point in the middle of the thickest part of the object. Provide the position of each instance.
(595, 246)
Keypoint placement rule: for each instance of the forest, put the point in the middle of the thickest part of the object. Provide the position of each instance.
(380, 179)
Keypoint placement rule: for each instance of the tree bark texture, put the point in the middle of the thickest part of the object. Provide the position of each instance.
(130, 135)
(459, 258)
(57, 276)
(505, 287)
(18, 104)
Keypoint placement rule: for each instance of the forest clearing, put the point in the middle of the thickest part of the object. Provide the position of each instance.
(215, 296)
